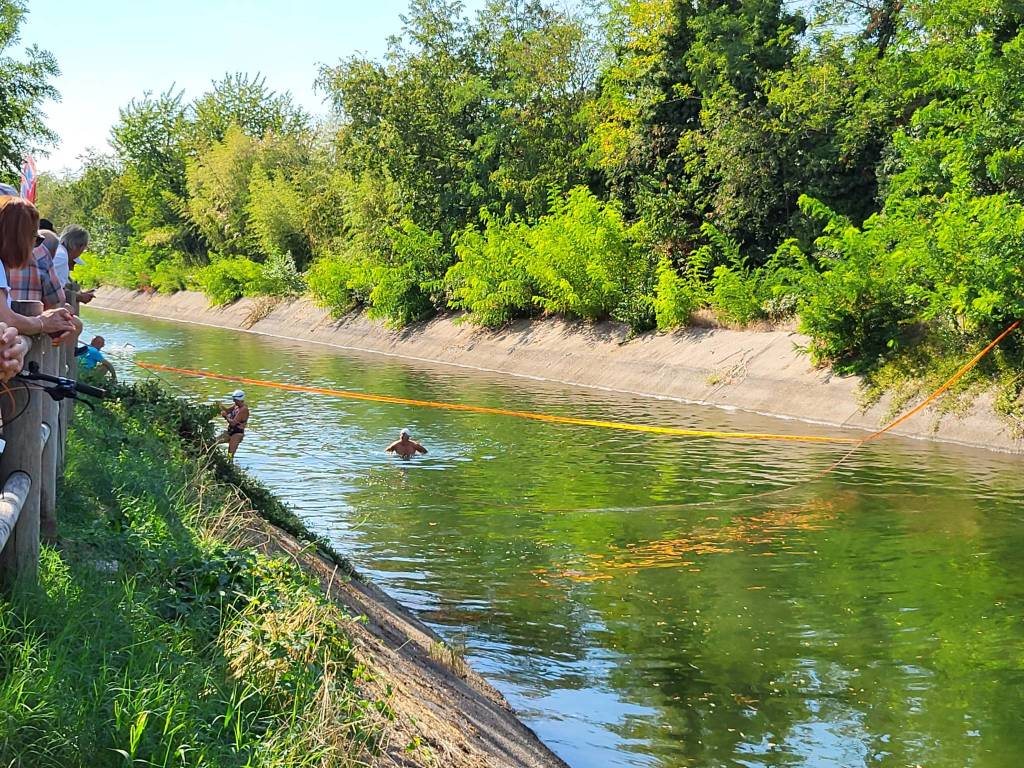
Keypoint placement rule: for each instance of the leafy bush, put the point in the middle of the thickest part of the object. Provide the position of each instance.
(782, 280)
(228, 279)
(278, 276)
(674, 297)
(94, 272)
(170, 276)
(856, 310)
(328, 279)
(408, 286)
(491, 279)
(131, 267)
(582, 261)
(734, 295)
(970, 260)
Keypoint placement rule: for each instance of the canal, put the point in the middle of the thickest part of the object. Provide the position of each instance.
(622, 590)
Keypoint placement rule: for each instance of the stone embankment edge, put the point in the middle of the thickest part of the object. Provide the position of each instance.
(762, 372)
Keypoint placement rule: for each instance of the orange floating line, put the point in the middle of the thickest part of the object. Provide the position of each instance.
(545, 417)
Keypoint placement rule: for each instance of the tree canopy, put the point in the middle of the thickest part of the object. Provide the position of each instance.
(26, 82)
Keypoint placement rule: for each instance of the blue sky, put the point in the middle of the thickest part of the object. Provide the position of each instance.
(110, 52)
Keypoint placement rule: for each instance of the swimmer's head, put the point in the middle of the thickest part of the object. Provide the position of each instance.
(405, 432)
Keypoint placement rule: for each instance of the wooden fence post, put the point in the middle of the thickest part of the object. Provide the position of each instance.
(68, 368)
(22, 417)
(61, 437)
(67, 410)
(48, 470)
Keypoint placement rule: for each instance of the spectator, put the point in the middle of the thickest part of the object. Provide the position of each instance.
(19, 227)
(37, 280)
(73, 242)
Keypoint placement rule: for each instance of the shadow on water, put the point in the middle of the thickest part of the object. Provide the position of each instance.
(871, 618)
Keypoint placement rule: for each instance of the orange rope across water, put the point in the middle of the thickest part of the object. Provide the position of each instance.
(551, 418)
(546, 417)
(964, 369)
(960, 373)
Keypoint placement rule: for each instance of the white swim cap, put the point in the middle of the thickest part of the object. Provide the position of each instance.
(405, 432)
(238, 395)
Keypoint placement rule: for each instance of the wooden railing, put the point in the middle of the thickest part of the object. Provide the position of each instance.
(35, 429)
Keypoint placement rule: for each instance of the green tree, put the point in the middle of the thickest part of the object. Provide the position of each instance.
(540, 64)
(410, 117)
(246, 102)
(94, 197)
(151, 140)
(218, 191)
(26, 82)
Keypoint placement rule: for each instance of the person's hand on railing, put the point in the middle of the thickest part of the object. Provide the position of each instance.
(85, 297)
(59, 323)
(13, 349)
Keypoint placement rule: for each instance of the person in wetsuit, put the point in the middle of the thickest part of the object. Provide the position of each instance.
(405, 446)
(237, 416)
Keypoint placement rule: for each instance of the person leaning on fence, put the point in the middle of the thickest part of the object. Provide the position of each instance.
(37, 280)
(74, 240)
(19, 230)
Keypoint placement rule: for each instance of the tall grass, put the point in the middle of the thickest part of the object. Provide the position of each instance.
(154, 638)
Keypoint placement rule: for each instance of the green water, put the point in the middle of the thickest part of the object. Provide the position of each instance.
(873, 618)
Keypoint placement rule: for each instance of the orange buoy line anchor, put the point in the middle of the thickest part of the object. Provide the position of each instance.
(550, 418)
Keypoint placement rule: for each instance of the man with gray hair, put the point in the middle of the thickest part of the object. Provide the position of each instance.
(73, 242)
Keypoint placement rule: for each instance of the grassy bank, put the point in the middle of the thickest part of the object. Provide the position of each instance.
(155, 636)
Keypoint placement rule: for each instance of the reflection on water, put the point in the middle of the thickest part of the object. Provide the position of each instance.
(874, 617)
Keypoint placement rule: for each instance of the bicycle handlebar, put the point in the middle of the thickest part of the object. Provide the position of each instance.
(68, 386)
(87, 389)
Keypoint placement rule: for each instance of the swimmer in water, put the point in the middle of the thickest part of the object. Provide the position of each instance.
(237, 416)
(405, 446)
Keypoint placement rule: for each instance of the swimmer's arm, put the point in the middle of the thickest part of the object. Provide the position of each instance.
(420, 448)
(391, 448)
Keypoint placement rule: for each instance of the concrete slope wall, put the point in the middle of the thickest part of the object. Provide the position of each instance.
(759, 371)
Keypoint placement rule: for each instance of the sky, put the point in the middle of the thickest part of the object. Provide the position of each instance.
(111, 51)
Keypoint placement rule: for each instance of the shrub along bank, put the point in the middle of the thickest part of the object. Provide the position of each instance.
(152, 639)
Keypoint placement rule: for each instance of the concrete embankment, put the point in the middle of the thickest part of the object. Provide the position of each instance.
(763, 372)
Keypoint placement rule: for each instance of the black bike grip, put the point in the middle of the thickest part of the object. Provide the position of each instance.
(85, 389)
